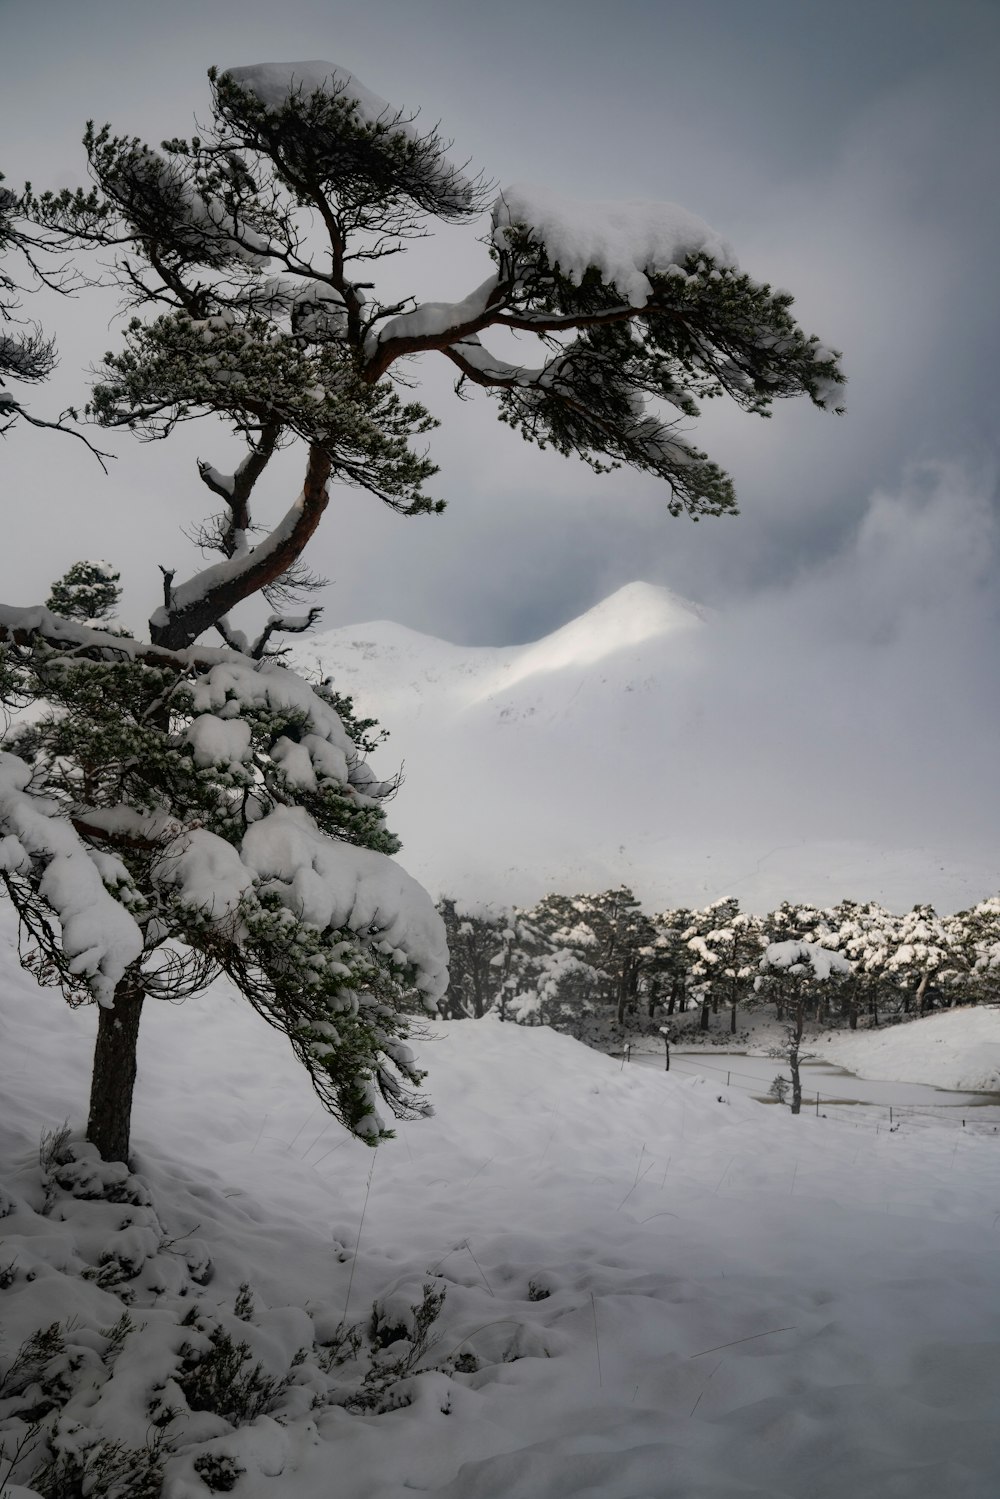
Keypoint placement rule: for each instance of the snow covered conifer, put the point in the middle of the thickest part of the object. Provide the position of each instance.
(923, 954)
(610, 941)
(211, 798)
(86, 591)
(725, 944)
(169, 817)
(476, 949)
(796, 967)
(671, 960)
(975, 944)
(248, 251)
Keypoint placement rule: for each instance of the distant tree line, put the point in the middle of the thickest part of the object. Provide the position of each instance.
(595, 965)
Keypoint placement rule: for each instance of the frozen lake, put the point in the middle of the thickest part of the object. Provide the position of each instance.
(837, 1088)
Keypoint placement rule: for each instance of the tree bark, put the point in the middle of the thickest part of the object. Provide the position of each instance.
(178, 625)
(794, 1054)
(921, 994)
(110, 1117)
(793, 1065)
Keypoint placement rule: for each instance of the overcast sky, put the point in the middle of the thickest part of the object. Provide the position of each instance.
(848, 151)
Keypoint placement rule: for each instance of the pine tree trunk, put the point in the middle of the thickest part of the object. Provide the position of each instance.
(110, 1115)
(706, 1010)
(921, 994)
(794, 1055)
(732, 1019)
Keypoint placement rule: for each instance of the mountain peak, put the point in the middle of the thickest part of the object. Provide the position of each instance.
(634, 614)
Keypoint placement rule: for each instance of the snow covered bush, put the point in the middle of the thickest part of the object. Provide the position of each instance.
(133, 1383)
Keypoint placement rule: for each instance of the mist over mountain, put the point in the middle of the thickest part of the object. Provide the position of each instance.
(655, 743)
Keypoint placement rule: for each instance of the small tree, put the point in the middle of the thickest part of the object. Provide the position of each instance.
(795, 966)
(778, 1089)
(88, 591)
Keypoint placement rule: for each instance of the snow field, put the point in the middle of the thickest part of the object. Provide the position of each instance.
(661, 1287)
(960, 1049)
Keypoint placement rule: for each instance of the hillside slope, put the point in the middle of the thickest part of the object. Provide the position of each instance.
(609, 752)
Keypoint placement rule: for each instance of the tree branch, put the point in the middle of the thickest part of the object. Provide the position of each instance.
(197, 605)
(27, 628)
(283, 624)
(237, 489)
(9, 404)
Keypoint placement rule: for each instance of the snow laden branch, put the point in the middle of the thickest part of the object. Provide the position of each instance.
(642, 312)
(86, 890)
(166, 816)
(247, 255)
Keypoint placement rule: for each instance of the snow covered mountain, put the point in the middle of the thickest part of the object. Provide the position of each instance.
(618, 749)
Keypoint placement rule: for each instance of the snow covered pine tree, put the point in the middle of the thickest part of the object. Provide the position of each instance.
(87, 591)
(173, 793)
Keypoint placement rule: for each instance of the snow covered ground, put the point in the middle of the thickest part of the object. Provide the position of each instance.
(646, 712)
(958, 1049)
(653, 1286)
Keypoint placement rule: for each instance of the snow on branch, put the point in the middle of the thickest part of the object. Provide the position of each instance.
(334, 886)
(323, 125)
(99, 936)
(36, 625)
(804, 959)
(274, 83)
(433, 322)
(626, 242)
